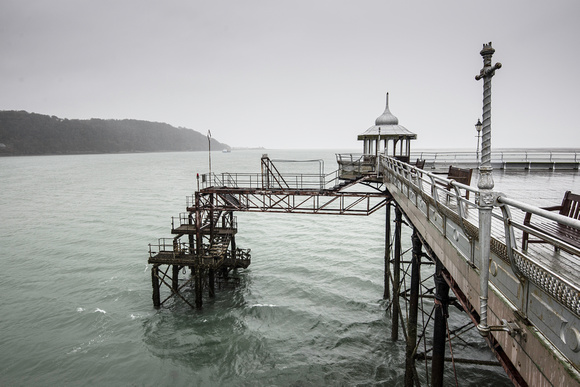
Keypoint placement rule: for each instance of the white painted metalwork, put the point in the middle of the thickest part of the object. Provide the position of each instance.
(540, 301)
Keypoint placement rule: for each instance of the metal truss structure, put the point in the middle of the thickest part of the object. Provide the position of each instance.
(204, 239)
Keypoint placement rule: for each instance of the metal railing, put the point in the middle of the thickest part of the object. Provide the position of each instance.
(502, 158)
(176, 247)
(353, 165)
(349, 164)
(443, 191)
(301, 181)
(188, 219)
(183, 219)
(169, 245)
(448, 197)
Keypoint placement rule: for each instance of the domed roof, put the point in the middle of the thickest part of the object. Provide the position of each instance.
(387, 118)
(387, 126)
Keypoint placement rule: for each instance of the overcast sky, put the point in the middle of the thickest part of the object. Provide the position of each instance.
(299, 74)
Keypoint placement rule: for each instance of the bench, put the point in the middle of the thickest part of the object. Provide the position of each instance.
(570, 207)
(460, 175)
(402, 158)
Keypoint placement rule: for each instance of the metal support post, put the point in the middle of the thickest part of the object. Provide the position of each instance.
(198, 252)
(485, 185)
(155, 283)
(211, 215)
(439, 326)
(233, 239)
(396, 275)
(199, 287)
(387, 291)
(211, 282)
(233, 246)
(413, 311)
(175, 278)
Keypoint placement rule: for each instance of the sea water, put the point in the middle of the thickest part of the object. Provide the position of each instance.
(75, 287)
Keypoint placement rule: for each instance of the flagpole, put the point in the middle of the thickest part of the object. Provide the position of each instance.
(209, 151)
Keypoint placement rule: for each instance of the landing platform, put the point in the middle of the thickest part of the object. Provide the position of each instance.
(169, 258)
(189, 229)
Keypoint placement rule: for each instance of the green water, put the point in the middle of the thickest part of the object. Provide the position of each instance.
(76, 308)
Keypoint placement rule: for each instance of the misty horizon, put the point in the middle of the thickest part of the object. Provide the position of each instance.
(300, 74)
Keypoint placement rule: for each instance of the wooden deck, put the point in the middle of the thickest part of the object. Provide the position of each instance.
(560, 262)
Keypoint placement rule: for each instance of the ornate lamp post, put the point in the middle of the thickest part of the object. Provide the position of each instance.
(485, 185)
(486, 73)
(478, 128)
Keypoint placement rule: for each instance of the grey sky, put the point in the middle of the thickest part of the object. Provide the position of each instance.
(298, 74)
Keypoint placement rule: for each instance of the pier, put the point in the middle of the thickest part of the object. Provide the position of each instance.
(512, 269)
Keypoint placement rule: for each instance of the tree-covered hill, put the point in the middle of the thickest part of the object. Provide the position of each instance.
(23, 133)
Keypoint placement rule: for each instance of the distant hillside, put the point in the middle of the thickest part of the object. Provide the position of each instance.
(23, 133)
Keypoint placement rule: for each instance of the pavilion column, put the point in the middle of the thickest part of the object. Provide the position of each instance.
(401, 148)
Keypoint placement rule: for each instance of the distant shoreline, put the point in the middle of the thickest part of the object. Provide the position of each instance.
(415, 152)
(27, 134)
(104, 153)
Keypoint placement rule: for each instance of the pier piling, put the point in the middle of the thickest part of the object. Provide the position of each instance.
(155, 283)
(198, 287)
(387, 287)
(211, 282)
(411, 343)
(396, 275)
(439, 326)
(175, 278)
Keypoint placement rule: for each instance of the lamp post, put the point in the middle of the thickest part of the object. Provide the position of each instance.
(478, 126)
(485, 185)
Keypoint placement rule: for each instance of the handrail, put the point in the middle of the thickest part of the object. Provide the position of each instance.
(185, 218)
(523, 263)
(502, 199)
(254, 180)
(502, 157)
(564, 220)
(169, 245)
(435, 182)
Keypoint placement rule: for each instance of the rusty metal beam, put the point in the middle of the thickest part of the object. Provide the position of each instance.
(284, 201)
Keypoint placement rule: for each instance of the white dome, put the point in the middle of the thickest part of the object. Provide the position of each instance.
(387, 118)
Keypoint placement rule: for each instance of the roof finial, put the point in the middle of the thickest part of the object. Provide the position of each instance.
(387, 118)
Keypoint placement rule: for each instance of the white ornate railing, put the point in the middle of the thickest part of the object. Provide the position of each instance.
(443, 202)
